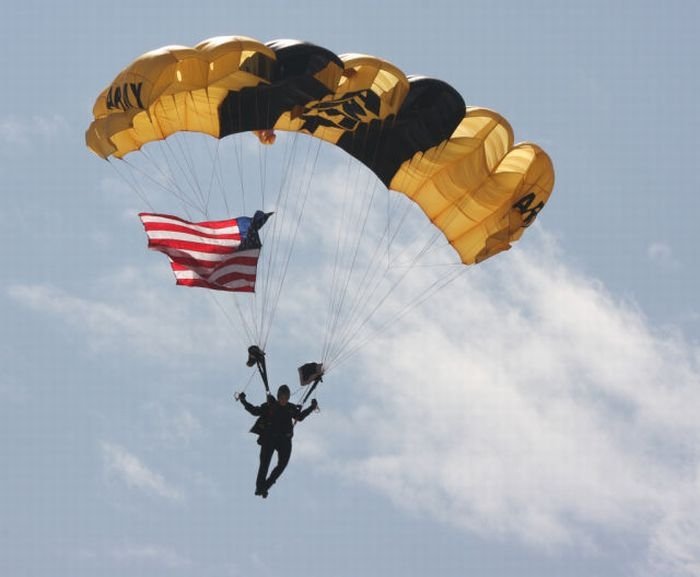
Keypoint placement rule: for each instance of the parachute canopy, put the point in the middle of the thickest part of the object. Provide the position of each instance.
(458, 163)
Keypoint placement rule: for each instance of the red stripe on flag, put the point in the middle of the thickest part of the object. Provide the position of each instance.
(204, 284)
(168, 244)
(190, 263)
(209, 224)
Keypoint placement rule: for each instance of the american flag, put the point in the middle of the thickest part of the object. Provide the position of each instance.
(220, 255)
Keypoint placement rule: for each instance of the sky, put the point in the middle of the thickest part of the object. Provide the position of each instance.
(537, 416)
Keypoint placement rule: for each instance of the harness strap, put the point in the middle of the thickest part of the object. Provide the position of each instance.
(311, 390)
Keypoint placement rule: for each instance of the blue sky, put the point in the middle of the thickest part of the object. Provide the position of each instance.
(536, 417)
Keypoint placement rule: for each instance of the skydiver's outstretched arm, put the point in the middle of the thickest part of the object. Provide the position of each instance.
(301, 415)
(251, 408)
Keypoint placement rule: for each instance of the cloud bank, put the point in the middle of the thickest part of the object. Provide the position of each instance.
(125, 466)
(527, 402)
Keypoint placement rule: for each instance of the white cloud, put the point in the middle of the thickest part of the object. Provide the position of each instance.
(23, 131)
(127, 467)
(661, 254)
(151, 555)
(128, 311)
(675, 541)
(528, 402)
(174, 425)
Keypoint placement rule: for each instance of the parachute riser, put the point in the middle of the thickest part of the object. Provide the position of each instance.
(262, 369)
(312, 388)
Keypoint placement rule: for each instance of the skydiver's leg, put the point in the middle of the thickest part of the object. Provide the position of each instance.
(284, 452)
(266, 451)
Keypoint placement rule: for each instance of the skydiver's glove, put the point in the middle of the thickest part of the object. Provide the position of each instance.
(241, 397)
(314, 404)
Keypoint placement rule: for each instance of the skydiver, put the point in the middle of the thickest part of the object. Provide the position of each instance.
(275, 428)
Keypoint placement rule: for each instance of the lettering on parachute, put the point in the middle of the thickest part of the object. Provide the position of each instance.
(529, 212)
(346, 113)
(125, 96)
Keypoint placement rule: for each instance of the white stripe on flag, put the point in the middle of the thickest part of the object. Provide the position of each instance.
(172, 235)
(205, 258)
(230, 269)
(233, 284)
(196, 227)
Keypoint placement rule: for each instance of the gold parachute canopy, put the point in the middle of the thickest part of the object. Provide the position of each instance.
(458, 163)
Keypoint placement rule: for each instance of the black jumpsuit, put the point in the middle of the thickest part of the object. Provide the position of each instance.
(278, 429)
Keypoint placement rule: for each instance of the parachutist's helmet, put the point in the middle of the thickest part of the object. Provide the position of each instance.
(283, 391)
